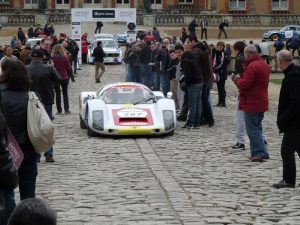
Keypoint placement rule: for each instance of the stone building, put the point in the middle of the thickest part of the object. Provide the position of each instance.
(216, 6)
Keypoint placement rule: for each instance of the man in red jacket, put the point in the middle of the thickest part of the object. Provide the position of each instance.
(253, 95)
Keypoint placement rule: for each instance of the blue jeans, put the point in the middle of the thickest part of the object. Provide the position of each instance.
(195, 107)
(255, 133)
(145, 75)
(165, 82)
(8, 197)
(207, 113)
(156, 80)
(48, 109)
(128, 73)
(74, 61)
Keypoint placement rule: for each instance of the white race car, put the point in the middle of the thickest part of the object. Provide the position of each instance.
(126, 109)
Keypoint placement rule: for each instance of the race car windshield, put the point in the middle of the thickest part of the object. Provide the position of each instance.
(107, 44)
(127, 95)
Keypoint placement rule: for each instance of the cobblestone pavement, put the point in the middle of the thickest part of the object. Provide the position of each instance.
(191, 178)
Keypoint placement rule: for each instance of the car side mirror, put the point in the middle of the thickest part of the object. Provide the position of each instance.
(169, 95)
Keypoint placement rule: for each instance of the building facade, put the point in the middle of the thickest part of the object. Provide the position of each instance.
(216, 6)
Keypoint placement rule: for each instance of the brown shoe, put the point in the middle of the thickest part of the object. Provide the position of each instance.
(49, 159)
(257, 159)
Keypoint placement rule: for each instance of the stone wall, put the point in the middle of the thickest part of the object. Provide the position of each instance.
(160, 18)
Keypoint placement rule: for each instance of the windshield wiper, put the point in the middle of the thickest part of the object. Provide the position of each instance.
(145, 100)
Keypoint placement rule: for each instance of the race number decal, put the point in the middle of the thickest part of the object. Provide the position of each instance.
(132, 113)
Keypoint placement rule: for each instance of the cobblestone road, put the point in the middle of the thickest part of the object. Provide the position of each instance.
(191, 178)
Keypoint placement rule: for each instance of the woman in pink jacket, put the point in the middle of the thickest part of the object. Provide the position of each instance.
(63, 67)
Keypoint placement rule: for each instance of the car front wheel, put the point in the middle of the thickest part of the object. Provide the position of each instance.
(275, 37)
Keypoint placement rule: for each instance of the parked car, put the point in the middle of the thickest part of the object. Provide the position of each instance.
(122, 38)
(33, 41)
(113, 54)
(284, 34)
(126, 109)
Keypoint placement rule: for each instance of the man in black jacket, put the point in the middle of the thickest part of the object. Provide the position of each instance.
(98, 54)
(194, 82)
(288, 120)
(222, 26)
(8, 176)
(43, 76)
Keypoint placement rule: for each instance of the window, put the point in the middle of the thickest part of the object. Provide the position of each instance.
(92, 1)
(62, 2)
(155, 1)
(237, 4)
(122, 1)
(185, 1)
(30, 2)
(280, 4)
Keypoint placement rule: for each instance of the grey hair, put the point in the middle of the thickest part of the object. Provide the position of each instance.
(285, 56)
(250, 49)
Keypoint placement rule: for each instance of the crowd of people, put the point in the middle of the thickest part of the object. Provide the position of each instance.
(186, 66)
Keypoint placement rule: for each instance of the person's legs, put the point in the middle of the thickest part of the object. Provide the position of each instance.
(222, 92)
(225, 34)
(128, 73)
(7, 197)
(290, 144)
(75, 65)
(143, 74)
(156, 81)
(253, 122)
(97, 66)
(48, 109)
(193, 97)
(151, 78)
(185, 107)
(220, 32)
(173, 89)
(102, 67)
(239, 124)
(198, 103)
(202, 31)
(165, 82)
(64, 85)
(28, 172)
(205, 31)
(58, 97)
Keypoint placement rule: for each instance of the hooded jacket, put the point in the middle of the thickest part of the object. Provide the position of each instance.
(289, 100)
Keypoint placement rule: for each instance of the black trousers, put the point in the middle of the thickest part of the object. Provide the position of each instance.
(221, 91)
(207, 113)
(290, 145)
(64, 86)
(204, 31)
(220, 33)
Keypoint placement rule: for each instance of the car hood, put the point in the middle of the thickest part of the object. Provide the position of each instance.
(132, 115)
(273, 31)
(110, 50)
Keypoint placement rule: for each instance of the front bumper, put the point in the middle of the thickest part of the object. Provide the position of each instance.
(133, 131)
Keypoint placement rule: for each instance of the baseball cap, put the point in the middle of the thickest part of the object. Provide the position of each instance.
(37, 53)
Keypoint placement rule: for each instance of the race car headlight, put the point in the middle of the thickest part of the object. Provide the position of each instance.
(168, 116)
(98, 120)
